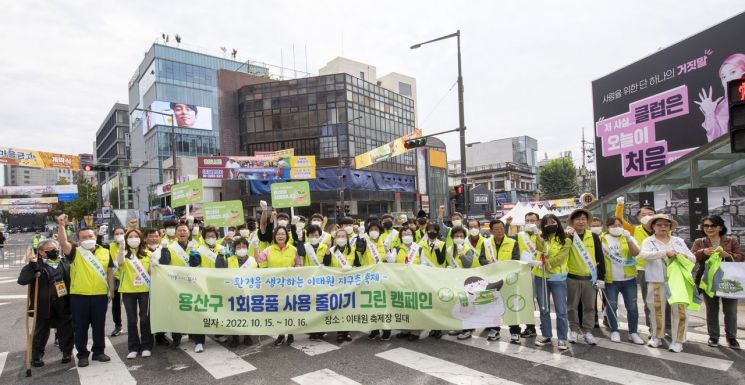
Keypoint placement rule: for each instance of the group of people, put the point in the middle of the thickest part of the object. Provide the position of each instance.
(570, 264)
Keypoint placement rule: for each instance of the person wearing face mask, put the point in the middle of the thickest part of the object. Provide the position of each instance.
(280, 254)
(320, 221)
(53, 302)
(474, 239)
(116, 302)
(154, 244)
(456, 220)
(209, 249)
(228, 239)
(241, 259)
(170, 231)
(620, 250)
(433, 249)
(421, 232)
(596, 226)
(407, 252)
(311, 249)
(342, 256)
(297, 228)
(586, 275)
(371, 250)
(391, 236)
(347, 224)
(527, 247)
(461, 256)
(91, 289)
(134, 263)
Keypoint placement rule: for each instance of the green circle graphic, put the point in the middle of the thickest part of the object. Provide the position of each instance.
(445, 294)
(511, 279)
(515, 302)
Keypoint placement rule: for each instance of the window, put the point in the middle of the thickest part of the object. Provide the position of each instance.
(404, 89)
(362, 75)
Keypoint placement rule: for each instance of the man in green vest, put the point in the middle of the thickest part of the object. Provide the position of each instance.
(527, 242)
(36, 240)
(499, 247)
(91, 289)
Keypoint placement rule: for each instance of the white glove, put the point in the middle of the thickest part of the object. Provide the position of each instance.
(299, 233)
(403, 218)
(626, 234)
(155, 261)
(459, 248)
(252, 262)
(102, 230)
(164, 243)
(192, 244)
(535, 263)
(570, 231)
(620, 200)
(346, 267)
(391, 257)
(361, 230)
(222, 250)
(263, 205)
(600, 285)
(295, 220)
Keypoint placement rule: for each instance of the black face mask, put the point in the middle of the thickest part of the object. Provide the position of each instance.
(421, 221)
(432, 234)
(53, 254)
(550, 229)
(387, 225)
(251, 226)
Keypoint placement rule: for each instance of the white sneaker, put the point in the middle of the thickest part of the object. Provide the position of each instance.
(562, 345)
(198, 348)
(543, 341)
(615, 337)
(572, 337)
(654, 342)
(590, 339)
(131, 355)
(146, 353)
(676, 347)
(633, 337)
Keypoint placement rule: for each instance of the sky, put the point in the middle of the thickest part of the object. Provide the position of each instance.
(527, 66)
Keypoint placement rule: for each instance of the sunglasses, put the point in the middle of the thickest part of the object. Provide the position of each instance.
(709, 226)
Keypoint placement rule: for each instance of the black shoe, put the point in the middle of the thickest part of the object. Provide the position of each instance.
(176, 342)
(528, 333)
(37, 363)
(386, 335)
(248, 341)
(161, 340)
(732, 342)
(233, 342)
(713, 342)
(66, 358)
(348, 337)
(339, 339)
(117, 331)
(403, 335)
(316, 336)
(279, 340)
(290, 339)
(373, 334)
(437, 334)
(83, 362)
(413, 337)
(101, 358)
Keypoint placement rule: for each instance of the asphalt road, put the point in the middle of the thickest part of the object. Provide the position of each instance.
(362, 361)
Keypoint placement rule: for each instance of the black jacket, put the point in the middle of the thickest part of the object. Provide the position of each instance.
(47, 291)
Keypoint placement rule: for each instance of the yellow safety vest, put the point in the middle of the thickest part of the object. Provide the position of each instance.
(395, 242)
(234, 263)
(505, 250)
(556, 260)
(114, 252)
(640, 235)
(84, 279)
(576, 263)
(430, 255)
(348, 256)
(280, 258)
(367, 258)
(403, 250)
(457, 256)
(129, 275)
(628, 271)
(320, 252)
(175, 259)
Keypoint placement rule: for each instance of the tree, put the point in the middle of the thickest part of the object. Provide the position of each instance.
(85, 204)
(114, 197)
(558, 179)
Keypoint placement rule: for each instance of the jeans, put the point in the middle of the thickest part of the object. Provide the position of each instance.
(144, 339)
(729, 307)
(627, 289)
(89, 310)
(558, 291)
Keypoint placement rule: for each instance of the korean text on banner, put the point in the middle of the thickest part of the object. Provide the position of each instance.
(386, 151)
(223, 214)
(38, 159)
(318, 299)
(187, 193)
(290, 194)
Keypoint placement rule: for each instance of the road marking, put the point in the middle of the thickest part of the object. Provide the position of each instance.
(113, 372)
(8, 280)
(705, 330)
(218, 361)
(444, 370)
(324, 376)
(12, 296)
(3, 357)
(313, 348)
(576, 365)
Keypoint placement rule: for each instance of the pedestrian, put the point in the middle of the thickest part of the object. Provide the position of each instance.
(240, 259)
(372, 251)
(53, 300)
(313, 252)
(116, 302)
(433, 249)
(586, 274)
(620, 250)
(659, 251)
(155, 244)
(391, 236)
(170, 231)
(342, 256)
(36, 240)
(461, 255)
(134, 264)
(456, 220)
(320, 221)
(703, 248)
(527, 244)
(407, 252)
(421, 222)
(91, 289)
(549, 277)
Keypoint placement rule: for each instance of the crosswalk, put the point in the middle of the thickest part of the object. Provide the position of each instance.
(110, 373)
(325, 377)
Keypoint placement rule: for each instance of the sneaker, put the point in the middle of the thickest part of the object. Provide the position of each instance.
(347, 337)
(198, 348)
(66, 358)
(543, 341)
(131, 355)
(339, 339)
(562, 345)
(248, 341)
(633, 337)
(176, 342)
(493, 335)
(572, 337)
(101, 358)
(386, 335)
(436, 334)
(280, 339)
(464, 335)
(83, 362)
(161, 340)
(454, 332)
(713, 342)
(37, 363)
(732, 342)
(373, 334)
(590, 339)
(146, 353)
(290, 339)
(654, 342)
(117, 331)
(528, 333)
(676, 347)
(514, 338)
(615, 337)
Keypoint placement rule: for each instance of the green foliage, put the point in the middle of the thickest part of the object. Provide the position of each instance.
(558, 179)
(87, 201)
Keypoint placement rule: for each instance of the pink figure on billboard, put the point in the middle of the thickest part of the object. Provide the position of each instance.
(716, 112)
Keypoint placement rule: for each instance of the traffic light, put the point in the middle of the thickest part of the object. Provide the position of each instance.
(736, 97)
(96, 167)
(414, 143)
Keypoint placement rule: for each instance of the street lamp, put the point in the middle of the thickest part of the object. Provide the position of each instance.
(173, 139)
(462, 124)
(341, 162)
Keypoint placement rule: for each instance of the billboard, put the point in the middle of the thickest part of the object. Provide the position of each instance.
(38, 159)
(187, 116)
(28, 201)
(39, 190)
(386, 151)
(666, 105)
(259, 167)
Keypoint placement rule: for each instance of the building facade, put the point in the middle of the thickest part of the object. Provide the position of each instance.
(113, 150)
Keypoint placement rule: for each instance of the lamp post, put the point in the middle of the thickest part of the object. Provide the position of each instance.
(341, 163)
(461, 118)
(173, 139)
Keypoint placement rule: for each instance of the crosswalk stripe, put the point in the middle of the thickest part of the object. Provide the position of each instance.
(445, 370)
(576, 365)
(3, 357)
(218, 360)
(312, 348)
(8, 280)
(324, 376)
(13, 296)
(704, 329)
(113, 372)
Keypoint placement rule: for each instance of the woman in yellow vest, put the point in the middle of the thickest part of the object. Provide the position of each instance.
(280, 254)
(620, 250)
(240, 259)
(342, 256)
(134, 264)
(371, 250)
(461, 255)
(407, 252)
(554, 250)
(312, 250)
(433, 249)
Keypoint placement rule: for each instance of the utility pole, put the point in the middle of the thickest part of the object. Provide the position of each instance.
(588, 152)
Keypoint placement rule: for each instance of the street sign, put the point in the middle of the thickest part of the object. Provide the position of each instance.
(187, 193)
(290, 194)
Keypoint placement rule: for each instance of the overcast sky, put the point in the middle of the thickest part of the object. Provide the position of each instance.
(527, 67)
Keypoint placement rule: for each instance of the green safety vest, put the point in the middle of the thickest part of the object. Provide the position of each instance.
(84, 279)
(640, 235)
(280, 258)
(128, 275)
(576, 263)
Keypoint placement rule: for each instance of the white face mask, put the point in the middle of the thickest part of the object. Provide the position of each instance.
(316, 223)
(645, 219)
(374, 234)
(457, 223)
(615, 231)
(153, 246)
(459, 241)
(245, 233)
(119, 238)
(133, 242)
(531, 227)
(210, 241)
(89, 244)
(407, 239)
(341, 242)
(314, 240)
(195, 230)
(171, 231)
(282, 222)
(349, 229)
(473, 232)
(230, 234)
(241, 252)
(597, 230)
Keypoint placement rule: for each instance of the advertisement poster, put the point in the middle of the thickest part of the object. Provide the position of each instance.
(656, 110)
(386, 151)
(290, 194)
(39, 190)
(258, 167)
(28, 201)
(318, 299)
(223, 214)
(187, 116)
(188, 193)
(38, 159)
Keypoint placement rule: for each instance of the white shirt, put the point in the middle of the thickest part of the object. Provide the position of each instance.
(654, 252)
(616, 270)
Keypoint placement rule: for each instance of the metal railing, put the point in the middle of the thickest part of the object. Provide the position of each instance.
(12, 255)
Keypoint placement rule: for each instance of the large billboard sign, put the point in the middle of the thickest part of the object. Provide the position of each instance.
(187, 116)
(666, 105)
(261, 167)
(38, 159)
(386, 151)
